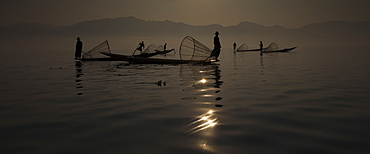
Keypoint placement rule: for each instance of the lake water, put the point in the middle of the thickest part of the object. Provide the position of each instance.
(312, 100)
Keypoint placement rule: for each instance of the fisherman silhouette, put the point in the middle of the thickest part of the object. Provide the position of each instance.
(79, 45)
(164, 49)
(261, 48)
(234, 46)
(141, 46)
(217, 46)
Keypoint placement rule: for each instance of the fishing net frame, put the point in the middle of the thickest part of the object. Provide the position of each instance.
(193, 50)
(242, 47)
(150, 49)
(96, 51)
(272, 47)
(160, 47)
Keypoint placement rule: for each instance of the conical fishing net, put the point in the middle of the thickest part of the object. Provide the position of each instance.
(160, 48)
(242, 47)
(272, 47)
(193, 50)
(150, 49)
(95, 52)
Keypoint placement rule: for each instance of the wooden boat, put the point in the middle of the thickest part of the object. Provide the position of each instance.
(282, 50)
(151, 54)
(98, 59)
(249, 50)
(163, 51)
(147, 60)
(273, 47)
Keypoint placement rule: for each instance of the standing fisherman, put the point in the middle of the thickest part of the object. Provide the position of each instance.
(234, 46)
(79, 45)
(217, 46)
(261, 48)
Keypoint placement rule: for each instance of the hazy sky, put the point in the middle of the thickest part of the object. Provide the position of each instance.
(288, 13)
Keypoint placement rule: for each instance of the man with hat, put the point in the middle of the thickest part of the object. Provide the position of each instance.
(217, 46)
(78, 48)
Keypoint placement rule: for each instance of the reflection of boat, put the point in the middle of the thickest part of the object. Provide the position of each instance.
(147, 60)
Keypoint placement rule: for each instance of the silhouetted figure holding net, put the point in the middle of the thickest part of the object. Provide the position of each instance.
(79, 45)
(217, 46)
(234, 46)
(140, 47)
(261, 48)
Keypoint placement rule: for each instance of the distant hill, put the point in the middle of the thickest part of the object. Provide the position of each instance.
(131, 27)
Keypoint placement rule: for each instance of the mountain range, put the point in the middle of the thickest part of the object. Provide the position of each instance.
(131, 28)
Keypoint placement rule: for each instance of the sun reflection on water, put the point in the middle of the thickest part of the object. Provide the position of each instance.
(206, 147)
(203, 81)
(204, 121)
(204, 125)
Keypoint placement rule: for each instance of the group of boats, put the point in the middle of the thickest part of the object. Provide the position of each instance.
(191, 52)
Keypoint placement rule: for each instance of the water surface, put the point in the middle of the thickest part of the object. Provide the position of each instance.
(312, 100)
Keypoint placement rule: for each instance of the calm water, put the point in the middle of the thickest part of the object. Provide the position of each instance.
(313, 100)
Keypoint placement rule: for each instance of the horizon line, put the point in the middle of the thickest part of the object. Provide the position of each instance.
(181, 22)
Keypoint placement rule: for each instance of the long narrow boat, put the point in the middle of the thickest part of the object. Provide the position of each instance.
(98, 59)
(249, 50)
(282, 50)
(146, 60)
(273, 47)
(157, 52)
(163, 51)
